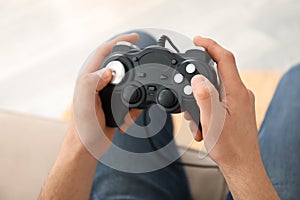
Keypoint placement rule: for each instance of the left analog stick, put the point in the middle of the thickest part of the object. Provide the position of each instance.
(132, 94)
(118, 71)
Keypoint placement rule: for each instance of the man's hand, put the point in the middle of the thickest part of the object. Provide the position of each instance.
(88, 116)
(239, 127)
(88, 137)
(237, 149)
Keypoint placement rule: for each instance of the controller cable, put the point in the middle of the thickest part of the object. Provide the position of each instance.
(154, 147)
(162, 42)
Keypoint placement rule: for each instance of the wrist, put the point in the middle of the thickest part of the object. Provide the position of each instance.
(242, 164)
(247, 176)
(72, 144)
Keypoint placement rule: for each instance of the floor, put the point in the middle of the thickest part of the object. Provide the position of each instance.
(44, 43)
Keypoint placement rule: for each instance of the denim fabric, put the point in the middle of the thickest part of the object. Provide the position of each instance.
(279, 137)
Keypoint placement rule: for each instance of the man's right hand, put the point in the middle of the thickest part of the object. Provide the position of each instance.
(237, 150)
(238, 139)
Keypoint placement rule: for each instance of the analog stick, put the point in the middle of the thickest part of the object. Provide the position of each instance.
(118, 71)
(132, 94)
(167, 98)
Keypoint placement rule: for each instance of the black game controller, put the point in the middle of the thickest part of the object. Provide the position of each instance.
(153, 75)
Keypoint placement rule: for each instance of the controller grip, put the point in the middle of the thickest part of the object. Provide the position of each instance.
(114, 110)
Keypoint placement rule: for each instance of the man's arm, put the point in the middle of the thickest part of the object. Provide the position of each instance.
(249, 180)
(73, 172)
(237, 150)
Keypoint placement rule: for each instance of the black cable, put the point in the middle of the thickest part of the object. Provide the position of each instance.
(162, 42)
(154, 148)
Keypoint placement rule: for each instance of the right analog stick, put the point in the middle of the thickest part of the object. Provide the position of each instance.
(167, 98)
(132, 94)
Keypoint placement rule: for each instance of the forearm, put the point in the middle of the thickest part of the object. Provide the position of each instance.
(249, 181)
(73, 172)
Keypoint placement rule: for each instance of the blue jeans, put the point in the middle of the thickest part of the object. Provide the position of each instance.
(279, 137)
(279, 142)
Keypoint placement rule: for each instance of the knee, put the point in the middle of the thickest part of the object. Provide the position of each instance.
(293, 73)
(292, 76)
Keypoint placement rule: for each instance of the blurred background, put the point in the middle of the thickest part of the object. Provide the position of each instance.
(44, 43)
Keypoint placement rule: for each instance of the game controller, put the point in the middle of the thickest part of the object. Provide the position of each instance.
(153, 75)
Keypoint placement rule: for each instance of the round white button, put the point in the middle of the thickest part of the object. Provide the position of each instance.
(178, 78)
(187, 90)
(118, 71)
(190, 68)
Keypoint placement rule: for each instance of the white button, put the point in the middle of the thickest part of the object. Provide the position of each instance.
(178, 78)
(118, 71)
(187, 90)
(190, 68)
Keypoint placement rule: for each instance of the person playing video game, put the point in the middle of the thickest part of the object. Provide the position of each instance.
(255, 165)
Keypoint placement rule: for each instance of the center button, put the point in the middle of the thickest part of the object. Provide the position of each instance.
(151, 88)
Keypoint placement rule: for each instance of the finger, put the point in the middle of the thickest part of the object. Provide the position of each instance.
(94, 82)
(187, 116)
(225, 62)
(198, 136)
(193, 127)
(129, 119)
(204, 92)
(103, 51)
(196, 132)
(105, 76)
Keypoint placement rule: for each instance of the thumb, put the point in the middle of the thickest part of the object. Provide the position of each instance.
(105, 76)
(204, 92)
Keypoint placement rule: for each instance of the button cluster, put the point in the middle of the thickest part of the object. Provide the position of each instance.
(178, 78)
